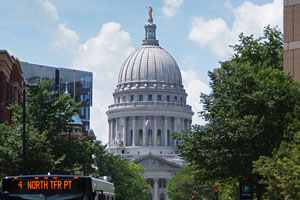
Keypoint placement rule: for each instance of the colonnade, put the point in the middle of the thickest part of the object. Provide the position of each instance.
(159, 189)
(132, 131)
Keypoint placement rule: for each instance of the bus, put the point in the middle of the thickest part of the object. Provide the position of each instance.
(59, 187)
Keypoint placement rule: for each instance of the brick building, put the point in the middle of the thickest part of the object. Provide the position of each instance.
(292, 38)
(11, 84)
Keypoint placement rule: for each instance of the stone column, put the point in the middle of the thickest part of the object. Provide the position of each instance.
(175, 129)
(144, 133)
(155, 132)
(116, 129)
(124, 131)
(133, 131)
(110, 133)
(166, 131)
(155, 193)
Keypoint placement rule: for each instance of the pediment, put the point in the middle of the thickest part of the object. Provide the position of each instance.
(152, 162)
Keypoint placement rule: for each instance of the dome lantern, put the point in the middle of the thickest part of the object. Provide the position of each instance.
(150, 31)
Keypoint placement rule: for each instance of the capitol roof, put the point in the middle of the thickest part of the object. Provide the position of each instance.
(150, 63)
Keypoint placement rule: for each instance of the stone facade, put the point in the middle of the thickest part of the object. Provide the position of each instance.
(149, 104)
(292, 38)
(11, 84)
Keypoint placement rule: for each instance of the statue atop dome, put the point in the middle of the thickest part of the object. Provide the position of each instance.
(150, 19)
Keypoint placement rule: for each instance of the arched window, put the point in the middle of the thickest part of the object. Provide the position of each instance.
(158, 137)
(140, 137)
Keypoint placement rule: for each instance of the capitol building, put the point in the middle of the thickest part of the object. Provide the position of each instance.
(149, 104)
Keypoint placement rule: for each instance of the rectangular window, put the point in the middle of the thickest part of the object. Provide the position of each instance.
(140, 97)
(150, 97)
(158, 97)
(118, 99)
(168, 98)
(175, 98)
(131, 98)
(124, 99)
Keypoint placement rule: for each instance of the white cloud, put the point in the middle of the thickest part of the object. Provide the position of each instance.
(40, 14)
(194, 87)
(171, 7)
(213, 33)
(103, 55)
(248, 18)
(66, 40)
(50, 9)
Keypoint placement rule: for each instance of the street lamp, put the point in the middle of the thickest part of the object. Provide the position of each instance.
(24, 126)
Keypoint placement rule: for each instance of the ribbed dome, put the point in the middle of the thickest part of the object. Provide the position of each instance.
(150, 63)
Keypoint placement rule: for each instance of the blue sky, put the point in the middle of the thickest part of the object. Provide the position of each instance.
(97, 36)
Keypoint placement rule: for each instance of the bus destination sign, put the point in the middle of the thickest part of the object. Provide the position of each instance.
(45, 184)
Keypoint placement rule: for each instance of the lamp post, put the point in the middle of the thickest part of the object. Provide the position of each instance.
(24, 131)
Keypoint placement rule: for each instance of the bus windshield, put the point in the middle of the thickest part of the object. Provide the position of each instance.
(46, 197)
(47, 187)
(59, 187)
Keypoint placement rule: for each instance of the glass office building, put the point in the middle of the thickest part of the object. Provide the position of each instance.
(79, 83)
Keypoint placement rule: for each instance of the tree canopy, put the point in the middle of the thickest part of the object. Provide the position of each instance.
(126, 175)
(281, 172)
(246, 113)
(47, 117)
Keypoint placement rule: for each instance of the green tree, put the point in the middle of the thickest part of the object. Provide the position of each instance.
(184, 184)
(126, 176)
(48, 148)
(281, 172)
(48, 111)
(38, 157)
(246, 113)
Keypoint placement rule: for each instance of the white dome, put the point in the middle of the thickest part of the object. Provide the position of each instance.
(150, 63)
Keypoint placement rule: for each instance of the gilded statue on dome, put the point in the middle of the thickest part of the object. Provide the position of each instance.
(150, 13)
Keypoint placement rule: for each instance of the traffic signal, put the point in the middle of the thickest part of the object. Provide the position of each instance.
(216, 193)
(193, 197)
